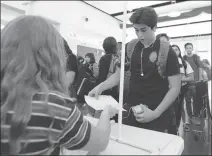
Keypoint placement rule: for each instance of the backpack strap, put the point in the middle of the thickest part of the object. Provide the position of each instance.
(162, 57)
(130, 47)
(194, 56)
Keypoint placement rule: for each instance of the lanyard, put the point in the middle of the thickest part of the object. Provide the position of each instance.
(142, 73)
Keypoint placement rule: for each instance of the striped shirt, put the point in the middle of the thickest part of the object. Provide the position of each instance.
(64, 126)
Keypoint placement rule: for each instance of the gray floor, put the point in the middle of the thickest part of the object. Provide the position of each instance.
(199, 145)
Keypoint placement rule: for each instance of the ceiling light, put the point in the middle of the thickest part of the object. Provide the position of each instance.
(174, 14)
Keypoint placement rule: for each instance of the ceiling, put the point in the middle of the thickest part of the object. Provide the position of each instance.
(165, 9)
(115, 7)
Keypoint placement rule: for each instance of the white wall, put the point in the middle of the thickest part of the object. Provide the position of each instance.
(71, 15)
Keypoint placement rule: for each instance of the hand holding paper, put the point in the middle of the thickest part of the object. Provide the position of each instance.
(101, 102)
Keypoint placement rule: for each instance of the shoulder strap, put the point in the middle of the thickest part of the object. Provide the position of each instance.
(185, 57)
(130, 47)
(162, 57)
(194, 56)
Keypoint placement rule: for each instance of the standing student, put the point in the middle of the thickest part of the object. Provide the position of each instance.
(90, 63)
(37, 114)
(108, 64)
(187, 75)
(207, 68)
(194, 61)
(149, 91)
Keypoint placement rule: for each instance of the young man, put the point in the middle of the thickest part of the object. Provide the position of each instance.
(148, 90)
(194, 61)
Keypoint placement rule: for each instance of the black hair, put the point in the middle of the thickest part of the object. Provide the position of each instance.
(92, 57)
(67, 48)
(145, 15)
(110, 45)
(188, 44)
(180, 56)
(162, 35)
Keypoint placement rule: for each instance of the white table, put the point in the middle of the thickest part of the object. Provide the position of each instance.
(168, 144)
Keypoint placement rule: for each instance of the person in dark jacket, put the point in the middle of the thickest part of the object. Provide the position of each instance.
(71, 69)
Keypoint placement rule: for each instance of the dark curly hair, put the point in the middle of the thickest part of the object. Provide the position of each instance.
(188, 44)
(180, 56)
(145, 15)
(110, 45)
(92, 57)
(67, 48)
(162, 35)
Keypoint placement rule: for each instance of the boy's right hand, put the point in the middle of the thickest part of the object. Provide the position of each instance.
(110, 110)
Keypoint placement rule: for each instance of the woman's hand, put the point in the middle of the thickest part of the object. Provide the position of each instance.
(111, 111)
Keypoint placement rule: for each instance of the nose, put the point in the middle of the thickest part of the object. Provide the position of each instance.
(140, 35)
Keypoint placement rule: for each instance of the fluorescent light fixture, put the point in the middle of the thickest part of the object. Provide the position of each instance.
(174, 13)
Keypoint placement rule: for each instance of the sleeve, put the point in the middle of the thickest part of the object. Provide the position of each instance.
(76, 132)
(189, 70)
(172, 65)
(104, 65)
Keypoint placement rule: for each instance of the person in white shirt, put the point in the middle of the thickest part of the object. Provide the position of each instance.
(187, 74)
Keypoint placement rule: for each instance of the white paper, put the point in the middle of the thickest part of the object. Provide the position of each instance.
(104, 100)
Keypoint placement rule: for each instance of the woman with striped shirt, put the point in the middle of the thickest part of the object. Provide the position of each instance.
(37, 114)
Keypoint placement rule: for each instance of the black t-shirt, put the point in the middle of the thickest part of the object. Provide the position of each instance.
(151, 88)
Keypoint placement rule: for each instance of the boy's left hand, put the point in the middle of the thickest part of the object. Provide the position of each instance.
(146, 115)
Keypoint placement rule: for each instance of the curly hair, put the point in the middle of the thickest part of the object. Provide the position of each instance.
(32, 60)
(162, 35)
(188, 44)
(145, 15)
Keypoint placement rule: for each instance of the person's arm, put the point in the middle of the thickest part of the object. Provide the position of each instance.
(70, 75)
(174, 90)
(190, 74)
(79, 133)
(112, 81)
(174, 78)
